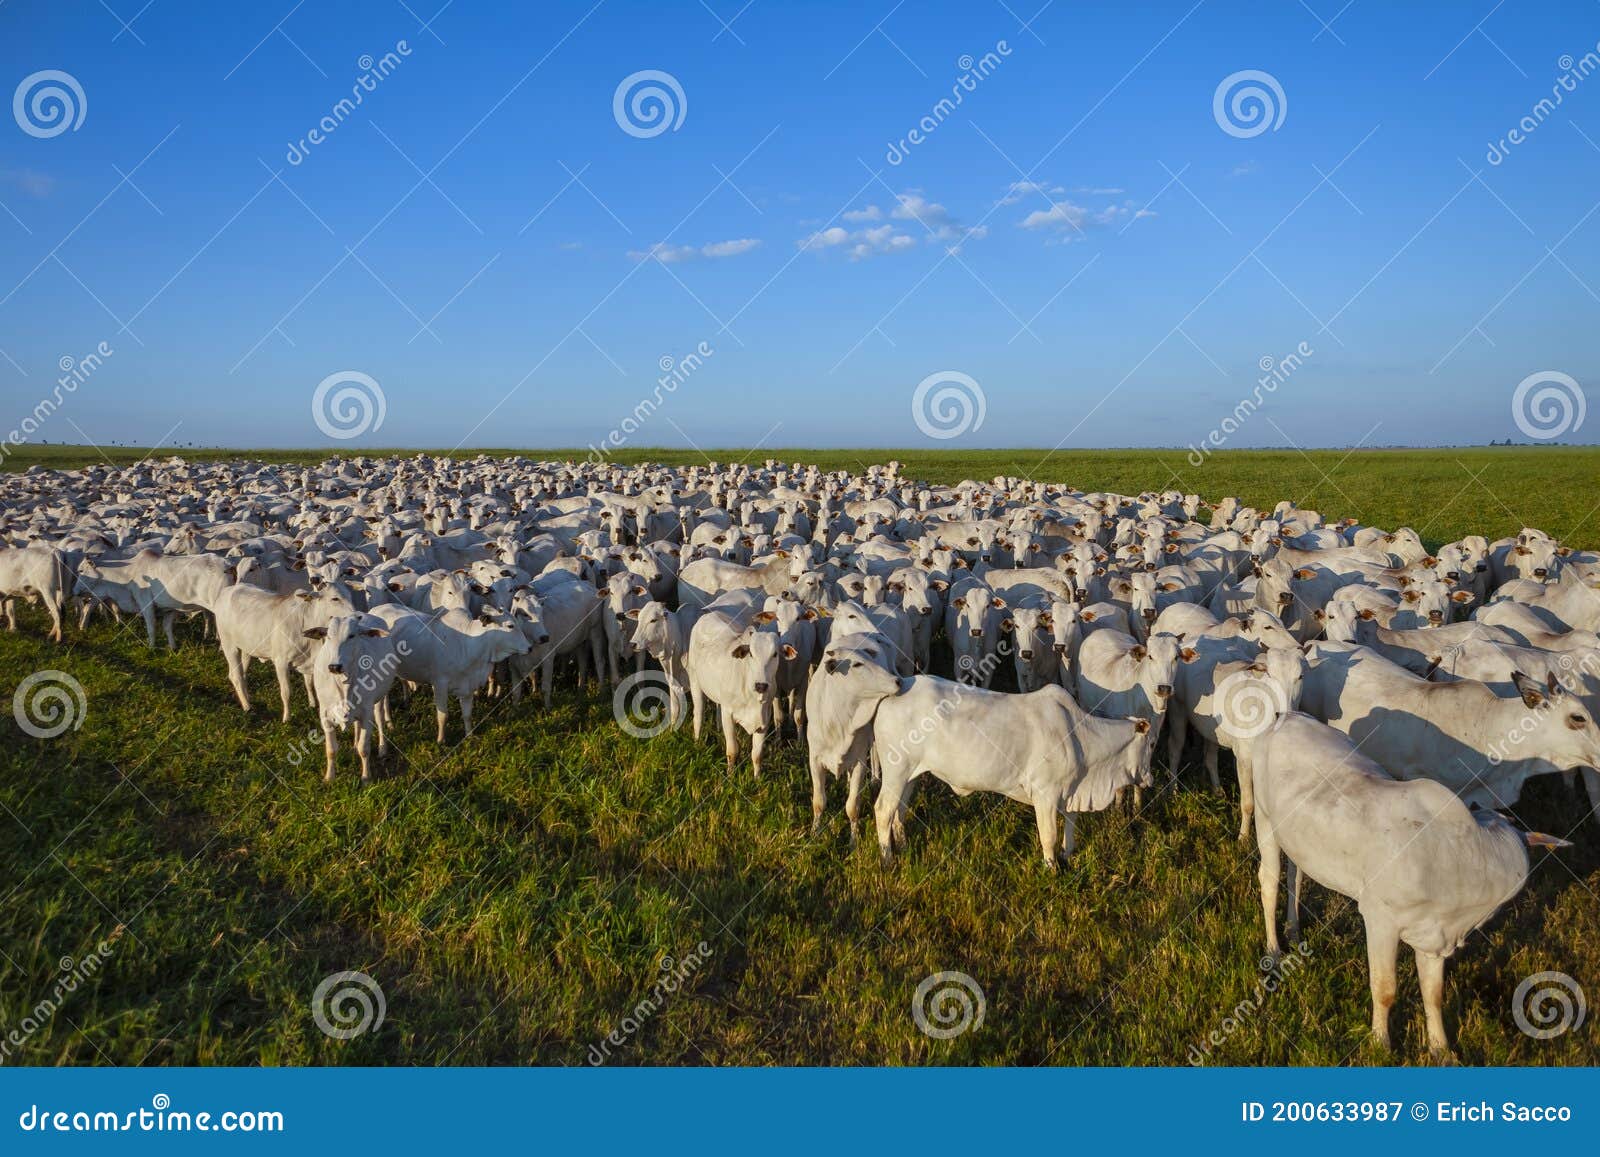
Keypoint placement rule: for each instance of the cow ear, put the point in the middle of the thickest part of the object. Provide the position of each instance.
(1367, 615)
(1046, 620)
(1411, 596)
(997, 603)
(959, 601)
(316, 632)
(1140, 726)
(1461, 597)
(1138, 653)
(1523, 550)
(1319, 615)
(633, 614)
(1188, 654)
(298, 564)
(1305, 573)
(376, 633)
(789, 652)
(1532, 692)
(1087, 616)
(809, 615)
(1008, 624)
(741, 651)
(600, 594)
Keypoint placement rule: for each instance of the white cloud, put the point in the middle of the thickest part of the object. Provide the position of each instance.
(672, 254)
(1065, 216)
(930, 216)
(729, 248)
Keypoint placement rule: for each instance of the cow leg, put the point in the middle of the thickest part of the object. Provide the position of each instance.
(441, 707)
(758, 744)
(1591, 780)
(1269, 873)
(699, 698)
(1177, 734)
(885, 811)
(311, 687)
(380, 717)
(466, 712)
(819, 792)
(363, 746)
(730, 739)
(547, 675)
(1383, 942)
(1430, 971)
(11, 613)
(1069, 832)
(55, 607)
(1211, 765)
(1292, 920)
(852, 803)
(236, 669)
(1247, 794)
(148, 612)
(330, 747)
(1044, 814)
(282, 669)
(84, 609)
(166, 622)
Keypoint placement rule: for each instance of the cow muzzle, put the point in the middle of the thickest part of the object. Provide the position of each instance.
(976, 634)
(336, 668)
(761, 688)
(1163, 690)
(1061, 648)
(1149, 614)
(1025, 654)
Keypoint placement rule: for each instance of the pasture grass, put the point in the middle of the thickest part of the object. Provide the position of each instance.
(515, 894)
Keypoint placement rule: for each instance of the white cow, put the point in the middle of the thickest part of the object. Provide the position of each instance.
(1040, 748)
(353, 671)
(855, 675)
(733, 661)
(34, 572)
(1421, 866)
(451, 652)
(254, 624)
(1462, 734)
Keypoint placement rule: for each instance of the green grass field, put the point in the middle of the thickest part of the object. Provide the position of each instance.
(515, 894)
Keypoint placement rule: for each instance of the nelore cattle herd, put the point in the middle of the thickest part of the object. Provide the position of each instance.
(1380, 700)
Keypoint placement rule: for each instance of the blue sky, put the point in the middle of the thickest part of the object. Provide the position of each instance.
(1080, 237)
